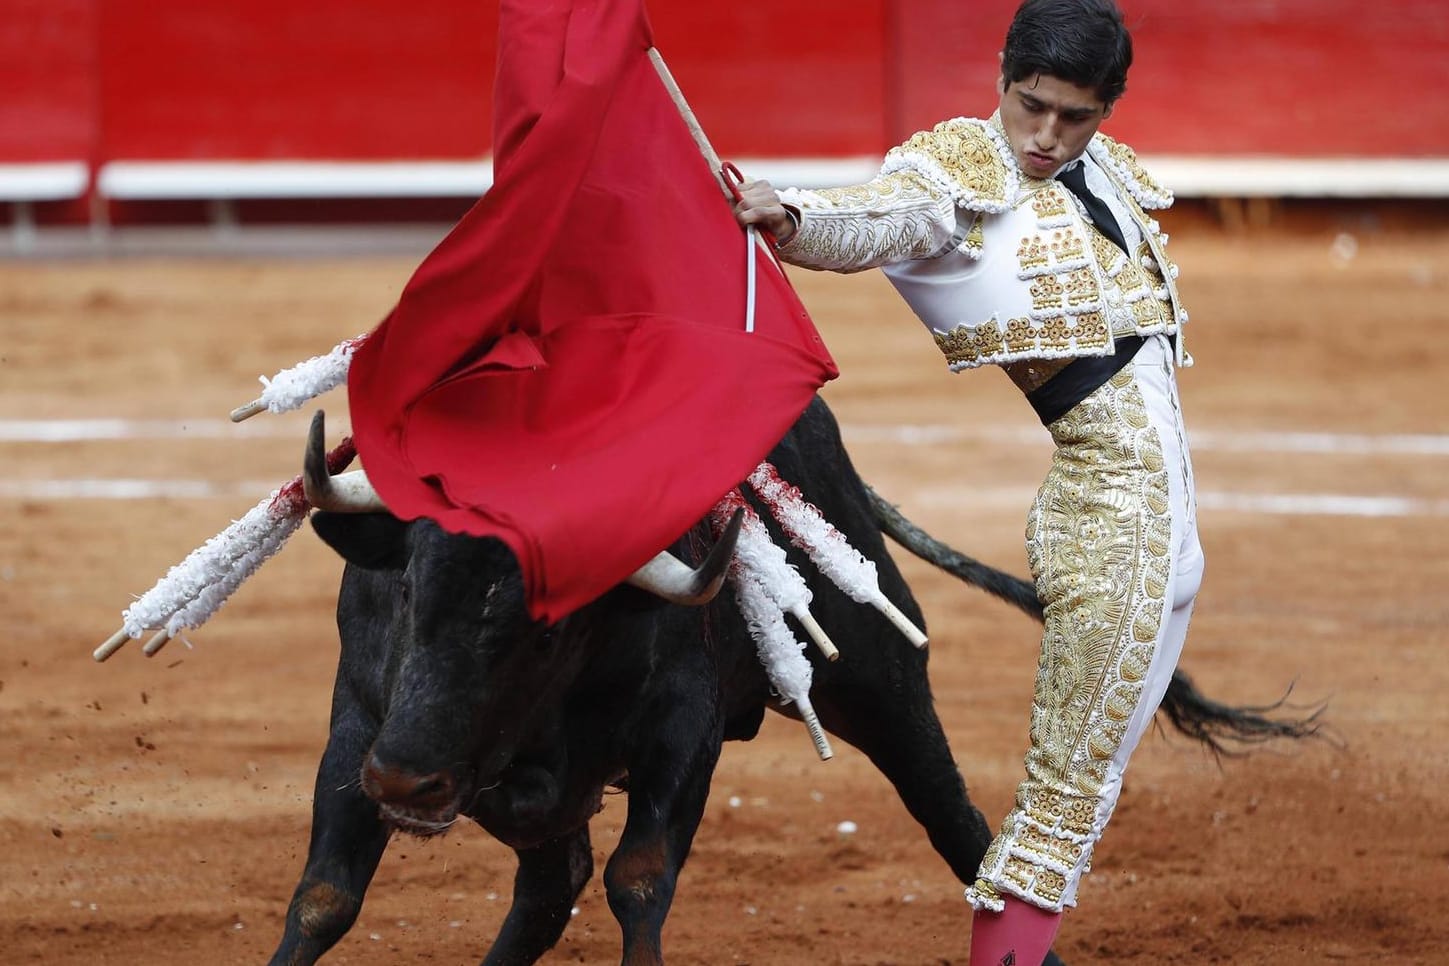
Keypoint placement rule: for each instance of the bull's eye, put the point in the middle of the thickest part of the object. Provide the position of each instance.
(405, 591)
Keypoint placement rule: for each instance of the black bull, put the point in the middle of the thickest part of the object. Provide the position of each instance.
(450, 701)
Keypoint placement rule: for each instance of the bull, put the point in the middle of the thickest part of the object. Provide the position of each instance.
(450, 701)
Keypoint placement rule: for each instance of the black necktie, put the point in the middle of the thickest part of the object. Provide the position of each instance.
(1075, 180)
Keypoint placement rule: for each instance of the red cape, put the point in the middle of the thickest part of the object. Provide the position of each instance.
(569, 370)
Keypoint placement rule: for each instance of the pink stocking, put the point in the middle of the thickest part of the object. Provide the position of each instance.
(1019, 935)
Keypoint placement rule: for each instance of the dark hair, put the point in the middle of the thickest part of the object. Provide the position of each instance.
(1083, 42)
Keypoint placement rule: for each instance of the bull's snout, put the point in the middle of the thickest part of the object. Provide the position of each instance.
(390, 785)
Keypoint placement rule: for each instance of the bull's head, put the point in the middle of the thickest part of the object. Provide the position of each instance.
(443, 622)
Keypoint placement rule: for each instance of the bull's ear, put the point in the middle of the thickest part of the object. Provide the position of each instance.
(373, 541)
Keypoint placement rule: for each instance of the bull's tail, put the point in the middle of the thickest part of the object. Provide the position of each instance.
(1224, 729)
(1227, 730)
(1015, 591)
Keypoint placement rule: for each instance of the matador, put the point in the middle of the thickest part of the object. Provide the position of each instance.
(1024, 241)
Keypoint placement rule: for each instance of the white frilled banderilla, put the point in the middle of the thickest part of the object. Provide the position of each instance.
(767, 587)
(196, 588)
(828, 548)
(293, 388)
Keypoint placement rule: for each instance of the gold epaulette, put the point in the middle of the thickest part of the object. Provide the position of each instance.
(965, 157)
(1122, 160)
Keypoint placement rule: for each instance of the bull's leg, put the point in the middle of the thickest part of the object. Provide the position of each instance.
(348, 838)
(668, 787)
(549, 879)
(893, 722)
(897, 728)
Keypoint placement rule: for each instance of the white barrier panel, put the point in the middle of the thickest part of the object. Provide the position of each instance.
(1189, 177)
(206, 180)
(44, 181)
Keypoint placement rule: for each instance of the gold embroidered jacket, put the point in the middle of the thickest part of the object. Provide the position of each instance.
(1001, 267)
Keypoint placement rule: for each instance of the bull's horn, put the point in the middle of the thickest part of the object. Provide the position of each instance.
(669, 577)
(345, 493)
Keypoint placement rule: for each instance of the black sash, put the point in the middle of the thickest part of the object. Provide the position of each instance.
(1054, 398)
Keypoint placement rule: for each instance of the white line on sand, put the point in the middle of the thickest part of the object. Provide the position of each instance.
(1347, 444)
(1275, 504)
(1321, 504)
(923, 434)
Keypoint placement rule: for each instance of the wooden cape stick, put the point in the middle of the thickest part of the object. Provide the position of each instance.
(700, 139)
(690, 121)
(258, 405)
(807, 713)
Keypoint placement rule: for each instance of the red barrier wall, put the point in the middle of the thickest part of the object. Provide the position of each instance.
(1222, 77)
(385, 79)
(1293, 77)
(366, 79)
(788, 78)
(48, 78)
(270, 79)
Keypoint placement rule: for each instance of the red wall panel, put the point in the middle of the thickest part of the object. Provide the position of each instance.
(385, 79)
(1274, 77)
(370, 79)
(274, 79)
(1292, 77)
(943, 61)
(780, 77)
(47, 80)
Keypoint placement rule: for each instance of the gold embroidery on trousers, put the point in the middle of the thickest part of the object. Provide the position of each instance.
(1098, 542)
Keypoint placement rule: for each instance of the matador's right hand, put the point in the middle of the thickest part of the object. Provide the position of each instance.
(760, 205)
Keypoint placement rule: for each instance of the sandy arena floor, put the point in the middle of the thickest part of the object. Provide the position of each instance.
(157, 810)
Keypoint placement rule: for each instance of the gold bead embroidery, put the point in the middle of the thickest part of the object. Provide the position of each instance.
(967, 156)
(1066, 246)
(1055, 331)
(1098, 548)
(1081, 287)
(1091, 329)
(1019, 335)
(1033, 253)
(966, 342)
(1050, 202)
(1046, 293)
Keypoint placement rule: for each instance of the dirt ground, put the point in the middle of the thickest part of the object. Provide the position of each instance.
(157, 810)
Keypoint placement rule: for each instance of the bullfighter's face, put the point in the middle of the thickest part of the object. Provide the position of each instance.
(1048, 121)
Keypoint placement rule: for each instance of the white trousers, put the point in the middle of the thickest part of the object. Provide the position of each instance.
(1112, 540)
